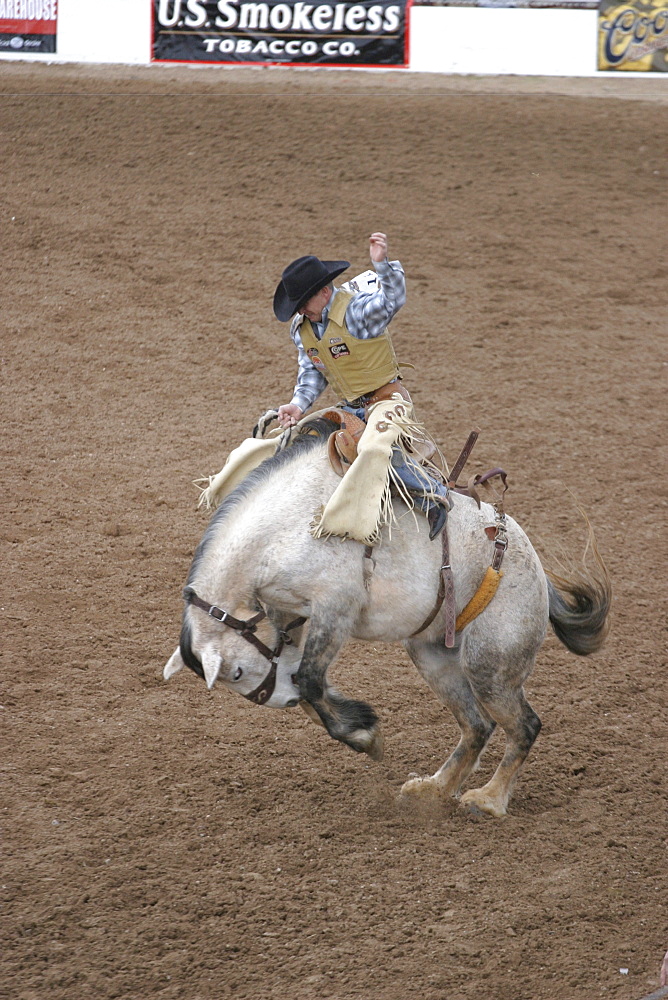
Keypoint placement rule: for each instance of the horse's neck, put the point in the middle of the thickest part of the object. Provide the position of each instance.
(239, 557)
(225, 574)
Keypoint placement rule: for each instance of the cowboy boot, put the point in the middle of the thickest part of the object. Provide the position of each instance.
(436, 517)
(436, 512)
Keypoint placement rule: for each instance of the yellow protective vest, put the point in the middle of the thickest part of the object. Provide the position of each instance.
(352, 367)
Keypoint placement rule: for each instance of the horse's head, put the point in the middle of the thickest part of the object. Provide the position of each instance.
(251, 653)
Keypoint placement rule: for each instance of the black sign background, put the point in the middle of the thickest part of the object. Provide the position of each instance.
(275, 32)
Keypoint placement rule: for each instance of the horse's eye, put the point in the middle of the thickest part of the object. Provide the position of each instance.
(237, 674)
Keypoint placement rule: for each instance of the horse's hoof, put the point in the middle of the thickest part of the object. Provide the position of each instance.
(423, 788)
(478, 801)
(369, 741)
(377, 747)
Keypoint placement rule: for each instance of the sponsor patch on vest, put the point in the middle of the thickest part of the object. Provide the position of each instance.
(336, 340)
(315, 358)
(339, 350)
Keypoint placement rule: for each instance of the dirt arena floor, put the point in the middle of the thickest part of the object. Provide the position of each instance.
(161, 841)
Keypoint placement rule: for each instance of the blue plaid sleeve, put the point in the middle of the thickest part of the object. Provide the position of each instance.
(369, 312)
(310, 383)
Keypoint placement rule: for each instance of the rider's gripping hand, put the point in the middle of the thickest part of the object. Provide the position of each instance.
(289, 414)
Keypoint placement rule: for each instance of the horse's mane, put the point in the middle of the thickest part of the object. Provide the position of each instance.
(313, 436)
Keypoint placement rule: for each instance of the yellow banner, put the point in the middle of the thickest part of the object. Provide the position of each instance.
(633, 36)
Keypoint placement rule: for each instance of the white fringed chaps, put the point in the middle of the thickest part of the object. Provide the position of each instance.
(361, 505)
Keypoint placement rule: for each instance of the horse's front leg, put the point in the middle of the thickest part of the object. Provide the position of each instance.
(352, 722)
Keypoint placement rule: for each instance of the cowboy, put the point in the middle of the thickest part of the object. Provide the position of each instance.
(342, 340)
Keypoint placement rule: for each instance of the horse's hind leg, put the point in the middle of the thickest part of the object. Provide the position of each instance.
(352, 722)
(504, 701)
(442, 670)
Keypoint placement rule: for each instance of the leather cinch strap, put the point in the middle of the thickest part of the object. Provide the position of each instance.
(448, 592)
(483, 595)
(446, 595)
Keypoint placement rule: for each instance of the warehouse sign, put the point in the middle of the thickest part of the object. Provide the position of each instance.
(274, 32)
(28, 26)
(633, 36)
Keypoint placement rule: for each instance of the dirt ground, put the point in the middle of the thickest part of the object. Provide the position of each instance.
(161, 841)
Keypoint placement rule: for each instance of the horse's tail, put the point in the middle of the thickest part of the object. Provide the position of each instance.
(579, 606)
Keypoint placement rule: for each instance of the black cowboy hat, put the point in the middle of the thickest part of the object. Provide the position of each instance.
(302, 279)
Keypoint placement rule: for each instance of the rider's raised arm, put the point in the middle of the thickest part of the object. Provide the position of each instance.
(369, 312)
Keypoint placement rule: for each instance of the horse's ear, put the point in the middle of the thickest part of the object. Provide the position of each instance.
(174, 664)
(211, 662)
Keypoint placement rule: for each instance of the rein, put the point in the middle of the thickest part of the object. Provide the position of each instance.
(246, 630)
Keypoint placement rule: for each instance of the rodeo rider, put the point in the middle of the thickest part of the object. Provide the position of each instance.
(342, 339)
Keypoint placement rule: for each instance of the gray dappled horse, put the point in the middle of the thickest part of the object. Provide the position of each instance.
(258, 575)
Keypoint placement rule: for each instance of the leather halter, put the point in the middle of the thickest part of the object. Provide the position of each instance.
(246, 630)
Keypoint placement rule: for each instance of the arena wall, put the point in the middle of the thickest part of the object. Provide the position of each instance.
(527, 42)
(467, 40)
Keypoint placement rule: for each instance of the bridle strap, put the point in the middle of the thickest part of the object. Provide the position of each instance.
(265, 688)
(191, 597)
(246, 629)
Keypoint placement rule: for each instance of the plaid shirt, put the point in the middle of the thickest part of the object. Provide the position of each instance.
(366, 317)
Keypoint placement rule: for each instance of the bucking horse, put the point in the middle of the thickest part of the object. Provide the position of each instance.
(268, 607)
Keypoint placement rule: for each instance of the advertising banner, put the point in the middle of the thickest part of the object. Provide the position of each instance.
(633, 36)
(277, 32)
(28, 26)
(536, 4)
